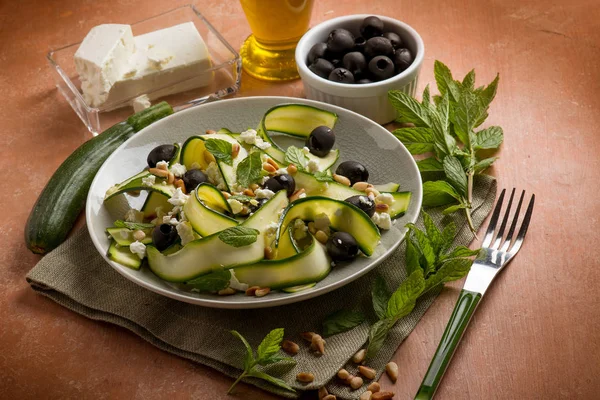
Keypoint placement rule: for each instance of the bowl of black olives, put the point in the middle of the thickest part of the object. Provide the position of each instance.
(353, 62)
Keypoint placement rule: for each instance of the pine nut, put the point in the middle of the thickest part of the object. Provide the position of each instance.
(372, 191)
(323, 393)
(361, 186)
(245, 211)
(382, 396)
(235, 150)
(330, 397)
(254, 186)
(139, 235)
(248, 192)
(307, 336)
(311, 227)
(381, 207)
(269, 253)
(252, 290)
(343, 374)
(292, 169)
(392, 370)
(296, 194)
(321, 237)
(158, 172)
(366, 395)
(226, 194)
(290, 347)
(273, 163)
(374, 387)
(341, 179)
(305, 377)
(208, 157)
(262, 292)
(356, 382)
(317, 344)
(226, 292)
(359, 356)
(367, 372)
(180, 184)
(170, 178)
(269, 168)
(349, 379)
(210, 131)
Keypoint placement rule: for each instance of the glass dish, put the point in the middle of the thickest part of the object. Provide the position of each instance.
(226, 70)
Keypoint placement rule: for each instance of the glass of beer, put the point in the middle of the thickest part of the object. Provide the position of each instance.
(277, 26)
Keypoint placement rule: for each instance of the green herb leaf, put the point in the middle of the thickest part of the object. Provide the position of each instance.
(460, 252)
(438, 193)
(296, 156)
(380, 296)
(430, 164)
(449, 271)
(249, 169)
(482, 165)
(216, 280)
(221, 149)
(241, 197)
(456, 174)
(377, 334)
(249, 358)
(454, 208)
(468, 82)
(426, 96)
(416, 140)
(444, 142)
(444, 79)
(265, 377)
(433, 233)
(275, 359)
(448, 235)
(133, 225)
(342, 321)
(238, 236)
(412, 258)
(409, 110)
(486, 96)
(423, 244)
(270, 345)
(323, 176)
(489, 138)
(403, 300)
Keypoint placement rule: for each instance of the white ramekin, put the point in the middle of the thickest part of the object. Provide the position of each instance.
(368, 99)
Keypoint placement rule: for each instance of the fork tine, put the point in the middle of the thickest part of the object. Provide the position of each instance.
(490, 230)
(513, 225)
(504, 221)
(524, 226)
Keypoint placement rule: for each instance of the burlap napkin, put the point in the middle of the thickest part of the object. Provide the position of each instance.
(75, 276)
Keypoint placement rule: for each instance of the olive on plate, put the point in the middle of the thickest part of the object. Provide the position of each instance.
(192, 178)
(342, 246)
(281, 182)
(163, 236)
(363, 202)
(354, 171)
(320, 141)
(164, 152)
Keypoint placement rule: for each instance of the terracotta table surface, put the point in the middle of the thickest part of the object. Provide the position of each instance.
(536, 334)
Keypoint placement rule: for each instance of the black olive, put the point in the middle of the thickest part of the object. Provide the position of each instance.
(364, 80)
(354, 171)
(336, 62)
(340, 41)
(320, 141)
(341, 75)
(321, 67)
(394, 38)
(403, 58)
(260, 202)
(164, 152)
(359, 43)
(363, 202)
(192, 178)
(355, 62)
(317, 51)
(371, 26)
(342, 246)
(163, 236)
(378, 46)
(281, 182)
(381, 67)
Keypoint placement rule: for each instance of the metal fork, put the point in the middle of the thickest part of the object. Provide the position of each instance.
(492, 258)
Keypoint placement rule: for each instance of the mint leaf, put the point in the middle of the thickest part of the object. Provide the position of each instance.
(323, 176)
(444, 142)
(430, 164)
(468, 82)
(249, 169)
(456, 174)
(438, 193)
(409, 110)
(403, 300)
(460, 252)
(433, 233)
(216, 280)
(380, 296)
(249, 358)
(449, 271)
(482, 165)
(265, 377)
(489, 138)
(241, 197)
(443, 77)
(341, 321)
(377, 334)
(426, 97)
(412, 258)
(238, 236)
(275, 359)
(269, 346)
(454, 208)
(132, 225)
(424, 246)
(294, 155)
(416, 140)
(448, 235)
(469, 109)
(221, 149)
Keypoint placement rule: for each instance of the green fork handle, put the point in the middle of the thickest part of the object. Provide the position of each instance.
(463, 311)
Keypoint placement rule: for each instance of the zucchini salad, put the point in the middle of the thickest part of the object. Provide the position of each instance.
(234, 212)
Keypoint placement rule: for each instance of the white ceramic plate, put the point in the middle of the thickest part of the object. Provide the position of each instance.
(357, 137)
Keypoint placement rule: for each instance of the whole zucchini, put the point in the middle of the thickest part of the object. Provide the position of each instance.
(64, 196)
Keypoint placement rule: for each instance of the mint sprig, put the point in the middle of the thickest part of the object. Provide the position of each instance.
(430, 262)
(221, 149)
(215, 280)
(447, 129)
(296, 156)
(266, 353)
(323, 176)
(132, 225)
(249, 170)
(342, 321)
(238, 236)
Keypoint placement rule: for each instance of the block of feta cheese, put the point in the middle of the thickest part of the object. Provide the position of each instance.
(102, 59)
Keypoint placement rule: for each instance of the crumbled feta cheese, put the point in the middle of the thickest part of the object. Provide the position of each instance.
(178, 198)
(234, 283)
(134, 215)
(265, 178)
(124, 234)
(364, 200)
(322, 221)
(312, 166)
(271, 228)
(261, 144)
(302, 195)
(167, 219)
(178, 170)
(214, 176)
(263, 193)
(382, 220)
(384, 198)
(182, 216)
(162, 165)
(299, 229)
(253, 202)
(236, 206)
(282, 171)
(150, 180)
(250, 137)
(306, 150)
(185, 232)
(138, 248)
